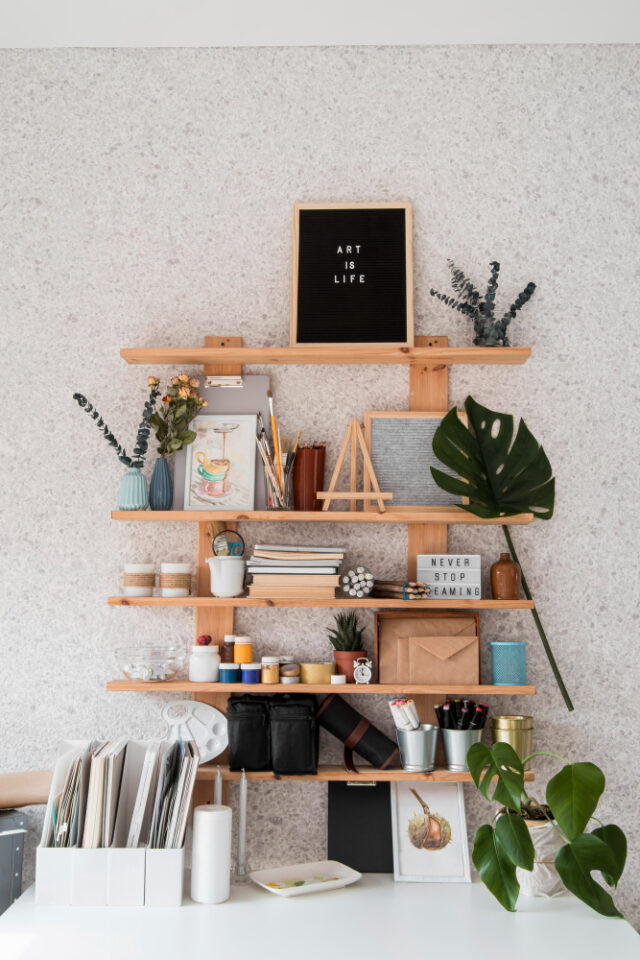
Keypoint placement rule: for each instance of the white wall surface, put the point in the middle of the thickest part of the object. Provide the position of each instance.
(218, 23)
(147, 201)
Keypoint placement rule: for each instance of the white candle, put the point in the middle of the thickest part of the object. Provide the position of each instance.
(211, 854)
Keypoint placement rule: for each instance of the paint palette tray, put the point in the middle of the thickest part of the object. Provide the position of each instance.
(305, 878)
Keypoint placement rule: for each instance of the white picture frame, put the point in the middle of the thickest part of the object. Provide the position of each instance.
(220, 463)
(436, 864)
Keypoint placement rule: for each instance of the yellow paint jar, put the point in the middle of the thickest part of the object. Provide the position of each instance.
(243, 650)
(270, 669)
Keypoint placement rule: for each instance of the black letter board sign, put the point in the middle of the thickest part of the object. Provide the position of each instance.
(352, 274)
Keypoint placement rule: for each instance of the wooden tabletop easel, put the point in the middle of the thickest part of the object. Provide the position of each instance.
(352, 438)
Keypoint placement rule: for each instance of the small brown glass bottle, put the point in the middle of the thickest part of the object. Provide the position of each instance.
(227, 649)
(505, 578)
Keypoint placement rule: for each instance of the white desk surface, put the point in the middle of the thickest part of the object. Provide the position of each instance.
(374, 918)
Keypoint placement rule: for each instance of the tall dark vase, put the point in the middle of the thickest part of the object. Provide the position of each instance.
(161, 488)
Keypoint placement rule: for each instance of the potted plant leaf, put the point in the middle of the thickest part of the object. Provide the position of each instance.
(346, 638)
(133, 486)
(501, 475)
(505, 845)
(180, 404)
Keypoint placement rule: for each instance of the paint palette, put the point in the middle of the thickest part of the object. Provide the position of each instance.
(305, 878)
(196, 721)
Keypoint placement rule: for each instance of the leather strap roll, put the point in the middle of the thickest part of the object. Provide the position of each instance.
(357, 733)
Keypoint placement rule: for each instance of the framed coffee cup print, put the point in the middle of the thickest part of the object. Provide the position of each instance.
(352, 276)
(220, 467)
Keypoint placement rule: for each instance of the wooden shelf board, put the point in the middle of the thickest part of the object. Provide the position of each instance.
(444, 515)
(329, 772)
(372, 603)
(435, 689)
(361, 354)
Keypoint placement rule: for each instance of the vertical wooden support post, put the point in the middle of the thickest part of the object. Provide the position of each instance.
(428, 390)
(215, 621)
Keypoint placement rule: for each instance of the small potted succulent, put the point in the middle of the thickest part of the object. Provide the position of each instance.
(346, 638)
(563, 852)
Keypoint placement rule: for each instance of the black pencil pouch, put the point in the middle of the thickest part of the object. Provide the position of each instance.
(248, 726)
(294, 734)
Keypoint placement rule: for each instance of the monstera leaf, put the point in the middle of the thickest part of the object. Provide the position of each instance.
(499, 769)
(501, 475)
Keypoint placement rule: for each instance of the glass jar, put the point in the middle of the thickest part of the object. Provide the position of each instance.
(226, 654)
(270, 669)
(204, 664)
(243, 652)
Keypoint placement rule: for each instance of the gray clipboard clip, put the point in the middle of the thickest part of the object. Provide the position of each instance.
(223, 381)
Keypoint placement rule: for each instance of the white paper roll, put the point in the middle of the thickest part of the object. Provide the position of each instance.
(211, 854)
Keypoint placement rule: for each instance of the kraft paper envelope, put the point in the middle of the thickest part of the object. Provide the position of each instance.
(408, 655)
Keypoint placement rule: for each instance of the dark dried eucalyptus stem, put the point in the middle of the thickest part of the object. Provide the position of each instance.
(144, 429)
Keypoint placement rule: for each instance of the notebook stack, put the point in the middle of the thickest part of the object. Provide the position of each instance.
(283, 572)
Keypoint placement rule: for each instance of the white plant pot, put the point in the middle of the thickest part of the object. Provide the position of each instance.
(544, 880)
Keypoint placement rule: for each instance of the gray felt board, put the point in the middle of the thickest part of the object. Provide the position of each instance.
(250, 398)
(402, 455)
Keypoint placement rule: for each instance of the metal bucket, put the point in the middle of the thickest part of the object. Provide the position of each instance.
(418, 748)
(456, 743)
(516, 731)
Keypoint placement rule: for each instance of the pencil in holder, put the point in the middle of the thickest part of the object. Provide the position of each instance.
(277, 497)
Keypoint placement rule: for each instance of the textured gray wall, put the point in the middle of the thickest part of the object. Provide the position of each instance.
(147, 200)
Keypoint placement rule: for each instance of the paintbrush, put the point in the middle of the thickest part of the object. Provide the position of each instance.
(276, 437)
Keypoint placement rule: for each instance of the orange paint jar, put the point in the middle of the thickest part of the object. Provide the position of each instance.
(243, 650)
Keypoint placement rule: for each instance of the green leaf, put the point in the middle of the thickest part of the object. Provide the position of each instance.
(180, 410)
(188, 437)
(514, 838)
(573, 796)
(502, 762)
(505, 476)
(496, 871)
(175, 444)
(575, 863)
(617, 843)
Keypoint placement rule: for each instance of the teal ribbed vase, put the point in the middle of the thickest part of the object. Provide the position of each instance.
(161, 488)
(133, 491)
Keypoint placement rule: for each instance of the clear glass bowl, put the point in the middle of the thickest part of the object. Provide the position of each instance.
(152, 664)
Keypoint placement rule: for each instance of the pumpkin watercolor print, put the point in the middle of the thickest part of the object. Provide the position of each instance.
(429, 832)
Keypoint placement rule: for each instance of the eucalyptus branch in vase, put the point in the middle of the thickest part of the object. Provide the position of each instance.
(501, 477)
(144, 430)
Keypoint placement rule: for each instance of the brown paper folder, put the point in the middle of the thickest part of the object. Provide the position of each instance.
(417, 647)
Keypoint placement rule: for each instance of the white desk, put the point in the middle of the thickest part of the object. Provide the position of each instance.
(369, 920)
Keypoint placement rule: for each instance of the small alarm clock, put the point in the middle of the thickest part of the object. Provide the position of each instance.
(362, 670)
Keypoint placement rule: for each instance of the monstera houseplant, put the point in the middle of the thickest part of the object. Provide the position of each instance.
(180, 405)
(572, 796)
(501, 476)
(346, 638)
(481, 308)
(133, 487)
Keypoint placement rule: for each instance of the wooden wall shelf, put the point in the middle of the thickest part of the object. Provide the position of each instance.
(372, 603)
(332, 773)
(439, 515)
(385, 689)
(358, 355)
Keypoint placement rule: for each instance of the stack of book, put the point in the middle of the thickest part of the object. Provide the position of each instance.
(283, 572)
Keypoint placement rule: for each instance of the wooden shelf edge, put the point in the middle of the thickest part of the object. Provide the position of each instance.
(372, 603)
(356, 356)
(443, 515)
(384, 689)
(332, 773)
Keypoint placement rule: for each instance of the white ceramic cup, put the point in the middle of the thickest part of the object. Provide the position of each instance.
(227, 576)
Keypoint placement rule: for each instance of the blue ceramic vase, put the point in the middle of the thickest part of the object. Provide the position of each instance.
(161, 488)
(133, 491)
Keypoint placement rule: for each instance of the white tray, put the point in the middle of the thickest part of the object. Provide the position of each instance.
(193, 720)
(305, 878)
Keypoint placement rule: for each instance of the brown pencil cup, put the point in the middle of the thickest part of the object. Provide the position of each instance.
(308, 477)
